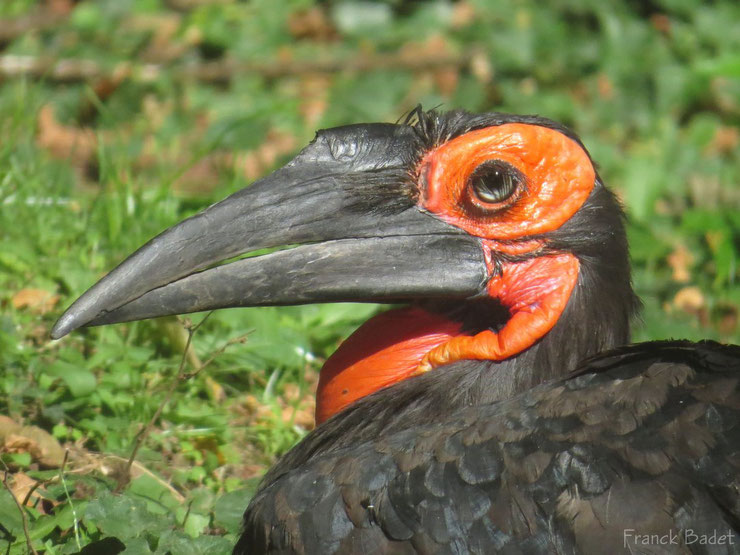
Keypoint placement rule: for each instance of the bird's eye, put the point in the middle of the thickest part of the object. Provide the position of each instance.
(495, 181)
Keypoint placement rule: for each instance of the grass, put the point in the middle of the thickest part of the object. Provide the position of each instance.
(92, 168)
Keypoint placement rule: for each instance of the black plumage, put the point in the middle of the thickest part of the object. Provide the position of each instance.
(642, 440)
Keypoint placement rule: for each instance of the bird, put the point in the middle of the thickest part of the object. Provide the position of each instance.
(498, 405)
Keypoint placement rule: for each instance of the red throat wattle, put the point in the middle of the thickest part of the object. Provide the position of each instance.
(384, 350)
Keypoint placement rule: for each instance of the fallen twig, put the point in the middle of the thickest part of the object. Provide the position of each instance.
(24, 517)
(15, 27)
(223, 71)
(176, 494)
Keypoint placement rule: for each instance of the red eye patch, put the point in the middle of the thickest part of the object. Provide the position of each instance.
(558, 173)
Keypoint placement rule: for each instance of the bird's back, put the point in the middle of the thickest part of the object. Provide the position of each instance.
(640, 450)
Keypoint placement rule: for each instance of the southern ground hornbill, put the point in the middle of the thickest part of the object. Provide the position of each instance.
(500, 409)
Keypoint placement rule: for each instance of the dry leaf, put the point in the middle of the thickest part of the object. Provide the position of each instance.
(689, 299)
(305, 415)
(7, 426)
(605, 86)
(263, 413)
(661, 23)
(312, 24)
(40, 444)
(115, 468)
(164, 45)
(65, 142)
(215, 390)
(446, 80)
(435, 46)
(681, 260)
(210, 444)
(725, 141)
(249, 471)
(463, 14)
(21, 487)
(728, 319)
(663, 208)
(291, 392)
(481, 67)
(35, 300)
(311, 377)
(314, 94)
(296, 405)
(60, 7)
(250, 403)
(256, 162)
(203, 176)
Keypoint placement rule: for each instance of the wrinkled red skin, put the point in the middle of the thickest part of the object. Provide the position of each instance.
(384, 350)
(535, 292)
(404, 342)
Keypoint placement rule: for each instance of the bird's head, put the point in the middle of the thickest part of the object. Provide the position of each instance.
(496, 229)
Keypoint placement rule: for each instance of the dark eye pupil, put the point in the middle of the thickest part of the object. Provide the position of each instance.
(494, 182)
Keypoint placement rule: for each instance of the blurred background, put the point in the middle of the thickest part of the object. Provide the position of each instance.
(120, 117)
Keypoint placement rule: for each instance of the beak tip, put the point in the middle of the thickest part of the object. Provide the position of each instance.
(73, 318)
(58, 331)
(63, 326)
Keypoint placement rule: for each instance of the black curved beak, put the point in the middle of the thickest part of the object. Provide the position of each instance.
(346, 200)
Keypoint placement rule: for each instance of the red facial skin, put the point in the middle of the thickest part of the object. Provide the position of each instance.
(559, 176)
(535, 292)
(401, 343)
(384, 350)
